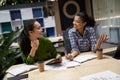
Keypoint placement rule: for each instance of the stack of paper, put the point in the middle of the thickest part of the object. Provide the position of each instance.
(84, 58)
(21, 69)
(106, 75)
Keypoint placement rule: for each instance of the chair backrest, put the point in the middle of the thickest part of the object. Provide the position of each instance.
(117, 53)
(67, 44)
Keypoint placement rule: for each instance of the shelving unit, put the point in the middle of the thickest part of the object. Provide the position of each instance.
(16, 18)
(5, 24)
(16, 23)
(49, 26)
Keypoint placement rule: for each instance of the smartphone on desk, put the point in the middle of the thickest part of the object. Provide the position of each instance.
(52, 61)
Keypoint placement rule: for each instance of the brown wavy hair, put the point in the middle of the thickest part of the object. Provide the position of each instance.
(24, 37)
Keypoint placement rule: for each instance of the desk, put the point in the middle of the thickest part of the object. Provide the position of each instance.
(86, 68)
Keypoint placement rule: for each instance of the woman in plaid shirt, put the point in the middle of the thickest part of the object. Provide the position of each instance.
(82, 36)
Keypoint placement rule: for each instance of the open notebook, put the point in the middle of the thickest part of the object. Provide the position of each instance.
(70, 64)
(22, 69)
(79, 59)
(83, 58)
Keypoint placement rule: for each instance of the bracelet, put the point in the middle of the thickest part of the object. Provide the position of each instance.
(99, 49)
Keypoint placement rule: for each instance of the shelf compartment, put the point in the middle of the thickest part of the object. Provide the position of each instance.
(37, 12)
(15, 15)
(50, 32)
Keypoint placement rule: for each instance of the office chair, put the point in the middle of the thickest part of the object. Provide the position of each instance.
(117, 53)
(67, 44)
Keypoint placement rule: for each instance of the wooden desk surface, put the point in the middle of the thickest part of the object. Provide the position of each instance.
(86, 68)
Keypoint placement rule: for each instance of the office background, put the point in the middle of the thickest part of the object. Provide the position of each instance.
(105, 12)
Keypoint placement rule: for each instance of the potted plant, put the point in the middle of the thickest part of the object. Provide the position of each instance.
(7, 53)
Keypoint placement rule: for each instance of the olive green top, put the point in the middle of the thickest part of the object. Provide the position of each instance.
(46, 50)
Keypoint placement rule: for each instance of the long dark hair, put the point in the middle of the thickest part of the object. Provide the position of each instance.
(85, 18)
(25, 43)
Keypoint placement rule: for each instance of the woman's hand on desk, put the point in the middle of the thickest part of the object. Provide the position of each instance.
(58, 58)
(70, 56)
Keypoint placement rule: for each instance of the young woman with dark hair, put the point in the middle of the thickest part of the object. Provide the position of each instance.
(34, 47)
(82, 36)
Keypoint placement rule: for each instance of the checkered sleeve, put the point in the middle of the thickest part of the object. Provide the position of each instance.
(92, 38)
(73, 42)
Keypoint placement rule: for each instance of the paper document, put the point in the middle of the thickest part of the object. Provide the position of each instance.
(62, 66)
(22, 69)
(106, 75)
(70, 64)
(83, 58)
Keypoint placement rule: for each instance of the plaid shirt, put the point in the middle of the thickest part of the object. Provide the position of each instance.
(82, 43)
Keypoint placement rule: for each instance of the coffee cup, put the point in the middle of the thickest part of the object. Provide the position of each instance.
(41, 66)
(99, 53)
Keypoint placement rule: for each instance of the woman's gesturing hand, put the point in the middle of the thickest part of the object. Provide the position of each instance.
(101, 39)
